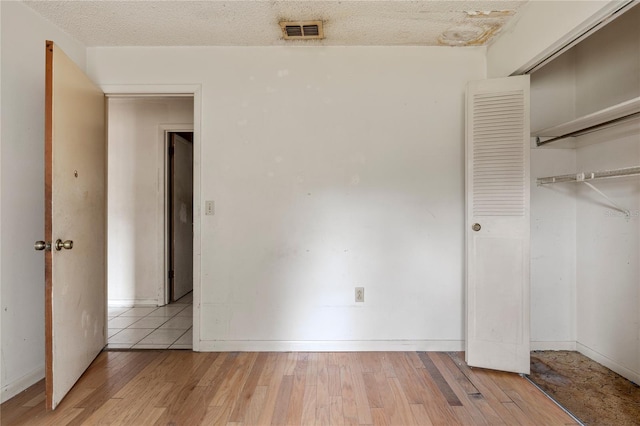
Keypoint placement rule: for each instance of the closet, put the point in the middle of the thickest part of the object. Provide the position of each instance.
(585, 198)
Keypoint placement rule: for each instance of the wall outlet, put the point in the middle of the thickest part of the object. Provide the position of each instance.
(359, 294)
(208, 208)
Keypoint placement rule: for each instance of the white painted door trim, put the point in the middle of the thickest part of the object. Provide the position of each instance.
(195, 90)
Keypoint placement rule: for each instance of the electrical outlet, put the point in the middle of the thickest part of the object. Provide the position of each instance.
(208, 208)
(359, 294)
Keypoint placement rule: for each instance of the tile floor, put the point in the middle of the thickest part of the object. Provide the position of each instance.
(166, 327)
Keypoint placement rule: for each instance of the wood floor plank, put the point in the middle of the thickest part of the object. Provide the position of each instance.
(439, 380)
(249, 388)
(490, 391)
(369, 362)
(242, 389)
(125, 373)
(301, 364)
(273, 389)
(214, 416)
(323, 399)
(336, 413)
(483, 382)
(386, 365)
(312, 369)
(333, 372)
(434, 401)
(531, 400)
(371, 389)
(296, 399)
(491, 409)
(217, 377)
(290, 365)
(520, 418)
(148, 416)
(39, 415)
(235, 380)
(268, 370)
(379, 417)
(388, 398)
(402, 403)
(186, 400)
(466, 402)
(461, 379)
(63, 419)
(359, 387)
(256, 406)
(309, 405)
(281, 407)
(406, 377)
(349, 407)
(132, 409)
(420, 414)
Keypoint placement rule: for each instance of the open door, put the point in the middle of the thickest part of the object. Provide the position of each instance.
(75, 273)
(181, 215)
(497, 224)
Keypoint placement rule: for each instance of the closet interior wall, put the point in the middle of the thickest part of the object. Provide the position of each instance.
(602, 71)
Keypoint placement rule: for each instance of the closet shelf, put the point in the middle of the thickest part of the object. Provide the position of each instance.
(610, 116)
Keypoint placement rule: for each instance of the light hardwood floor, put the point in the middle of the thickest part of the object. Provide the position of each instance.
(188, 388)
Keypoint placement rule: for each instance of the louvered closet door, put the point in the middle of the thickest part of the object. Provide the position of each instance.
(497, 224)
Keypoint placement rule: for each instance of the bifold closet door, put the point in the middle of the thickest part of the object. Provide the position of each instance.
(497, 224)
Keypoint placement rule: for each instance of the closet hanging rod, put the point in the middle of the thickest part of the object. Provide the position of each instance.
(589, 129)
(586, 176)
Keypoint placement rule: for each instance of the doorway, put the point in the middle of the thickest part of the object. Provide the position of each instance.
(179, 215)
(150, 221)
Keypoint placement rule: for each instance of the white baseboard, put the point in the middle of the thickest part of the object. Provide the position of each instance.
(130, 303)
(553, 346)
(328, 345)
(12, 389)
(634, 376)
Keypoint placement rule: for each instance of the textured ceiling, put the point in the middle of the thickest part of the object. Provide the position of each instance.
(255, 23)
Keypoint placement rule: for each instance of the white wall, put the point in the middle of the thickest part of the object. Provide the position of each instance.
(608, 254)
(22, 219)
(608, 244)
(136, 195)
(331, 168)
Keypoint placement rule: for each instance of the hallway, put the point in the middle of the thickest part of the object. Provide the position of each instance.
(164, 327)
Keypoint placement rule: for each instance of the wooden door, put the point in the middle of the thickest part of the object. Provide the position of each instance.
(497, 224)
(181, 205)
(75, 275)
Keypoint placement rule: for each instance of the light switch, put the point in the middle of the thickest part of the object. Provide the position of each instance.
(208, 208)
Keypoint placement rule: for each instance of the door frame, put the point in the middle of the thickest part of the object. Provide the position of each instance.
(164, 130)
(195, 90)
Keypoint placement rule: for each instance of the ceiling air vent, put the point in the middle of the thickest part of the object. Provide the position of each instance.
(302, 30)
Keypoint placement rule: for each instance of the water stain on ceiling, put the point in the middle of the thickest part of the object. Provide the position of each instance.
(256, 23)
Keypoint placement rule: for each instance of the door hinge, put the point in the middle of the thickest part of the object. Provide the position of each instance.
(171, 274)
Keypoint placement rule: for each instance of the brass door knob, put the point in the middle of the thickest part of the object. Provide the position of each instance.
(476, 227)
(67, 245)
(41, 245)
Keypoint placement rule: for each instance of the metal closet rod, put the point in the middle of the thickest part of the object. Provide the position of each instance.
(586, 176)
(589, 129)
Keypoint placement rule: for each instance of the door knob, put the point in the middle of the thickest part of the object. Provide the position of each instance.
(67, 245)
(41, 245)
(476, 227)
